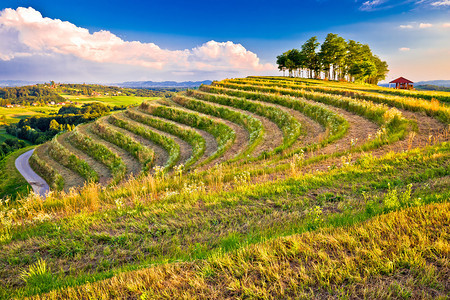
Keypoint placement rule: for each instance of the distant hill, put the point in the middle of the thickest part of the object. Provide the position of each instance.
(431, 85)
(16, 83)
(162, 84)
(127, 84)
(442, 83)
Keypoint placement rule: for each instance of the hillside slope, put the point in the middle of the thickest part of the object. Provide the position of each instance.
(260, 187)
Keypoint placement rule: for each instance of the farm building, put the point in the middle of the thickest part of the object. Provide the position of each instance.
(403, 83)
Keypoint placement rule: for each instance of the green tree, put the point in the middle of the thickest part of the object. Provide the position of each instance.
(308, 52)
(281, 62)
(332, 56)
(54, 125)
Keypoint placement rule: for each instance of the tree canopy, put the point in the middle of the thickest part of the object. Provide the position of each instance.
(337, 59)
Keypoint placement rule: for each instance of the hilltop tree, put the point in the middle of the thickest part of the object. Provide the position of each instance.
(308, 52)
(281, 62)
(332, 56)
(337, 59)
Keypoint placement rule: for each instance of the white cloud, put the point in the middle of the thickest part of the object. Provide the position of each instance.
(425, 25)
(446, 25)
(27, 32)
(404, 49)
(371, 4)
(406, 26)
(441, 3)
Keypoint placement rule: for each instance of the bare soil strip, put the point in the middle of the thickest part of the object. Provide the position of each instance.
(102, 170)
(133, 165)
(161, 155)
(185, 148)
(239, 144)
(210, 141)
(430, 131)
(359, 130)
(273, 136)
(314, 132)
(71, 179)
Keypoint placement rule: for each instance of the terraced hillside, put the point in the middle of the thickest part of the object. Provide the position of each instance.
(256, 187)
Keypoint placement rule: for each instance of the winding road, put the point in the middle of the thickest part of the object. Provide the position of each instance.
(38, 184)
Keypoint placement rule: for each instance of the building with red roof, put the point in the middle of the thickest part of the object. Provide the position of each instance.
(403, 83)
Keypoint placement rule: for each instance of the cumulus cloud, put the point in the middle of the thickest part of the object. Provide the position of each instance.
(404, 49)
(406, 26)
(446, 25)
(25, 32)
(441, 3)
(425, 25)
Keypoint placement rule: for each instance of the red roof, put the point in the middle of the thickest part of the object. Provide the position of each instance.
(401, 80)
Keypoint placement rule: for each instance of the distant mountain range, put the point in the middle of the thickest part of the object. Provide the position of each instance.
(14, 83)
(128, 84)
(162, 84)
(444, 83)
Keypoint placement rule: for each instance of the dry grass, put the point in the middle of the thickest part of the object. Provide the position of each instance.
(402, 254)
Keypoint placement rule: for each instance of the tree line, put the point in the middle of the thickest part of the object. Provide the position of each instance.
(48, 92)
(335, 59)
(38, 130)
(26, 95)
(10, 145)
(89, 90)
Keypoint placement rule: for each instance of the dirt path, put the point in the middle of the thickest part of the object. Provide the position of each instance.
(430, 131)
(314, 132)
(102, 170)
(38, 184)
(210, 141)
(133, 165)
(161, 155)
(273, 136)
(239, 144)
(185, 148)
(71, 179)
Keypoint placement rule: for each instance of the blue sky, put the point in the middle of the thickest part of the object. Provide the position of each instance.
(195, 40)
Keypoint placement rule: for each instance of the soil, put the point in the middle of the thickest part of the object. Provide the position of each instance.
(133, 165)
(102, 170)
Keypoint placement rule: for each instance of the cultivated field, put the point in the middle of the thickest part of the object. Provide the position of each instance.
(109, 100)
(260, 187)
(14, 115)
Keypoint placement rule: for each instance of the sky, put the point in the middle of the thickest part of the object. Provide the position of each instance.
(115, 41)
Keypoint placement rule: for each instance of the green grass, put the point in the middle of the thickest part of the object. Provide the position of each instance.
(14, 115)
(113, 100)
(314, 221)
(12, 184)
(98, 245)
(367, 260)
(4, 136)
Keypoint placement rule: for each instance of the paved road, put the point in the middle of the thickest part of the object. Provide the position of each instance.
(37, 183)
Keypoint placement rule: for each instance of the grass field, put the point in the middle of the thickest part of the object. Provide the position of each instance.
(251, 188)
(11, 182)
(4, 135)
(113, 100)
(14, 115)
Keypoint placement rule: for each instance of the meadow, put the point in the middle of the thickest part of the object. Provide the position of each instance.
(15, 114)
(110, 100)
(258, 187)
